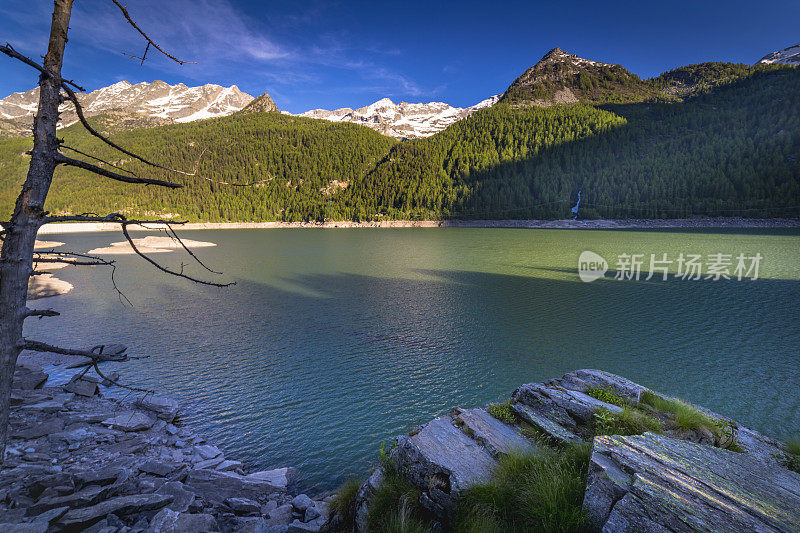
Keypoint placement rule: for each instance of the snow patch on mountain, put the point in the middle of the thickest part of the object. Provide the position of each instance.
(177, 103)
(787, 56)
(404, 120)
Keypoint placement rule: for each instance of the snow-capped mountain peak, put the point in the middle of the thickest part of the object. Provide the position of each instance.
(787, 56)
(404, 120)
(156, 100)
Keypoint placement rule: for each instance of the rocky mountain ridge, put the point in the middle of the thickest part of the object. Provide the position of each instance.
(404, 120)
(158, 101)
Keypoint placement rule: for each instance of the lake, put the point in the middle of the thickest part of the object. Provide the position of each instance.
(333, 341)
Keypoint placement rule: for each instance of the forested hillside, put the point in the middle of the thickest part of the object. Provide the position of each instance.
(291, 162)
(731, 147)
(734, 151)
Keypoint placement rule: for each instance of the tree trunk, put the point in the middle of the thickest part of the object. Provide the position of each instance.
(16, 256)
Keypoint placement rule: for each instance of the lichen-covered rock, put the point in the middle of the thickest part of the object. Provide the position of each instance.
(657, 483)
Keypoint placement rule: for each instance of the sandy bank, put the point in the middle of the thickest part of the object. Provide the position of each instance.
(696, 222)
(150, 245)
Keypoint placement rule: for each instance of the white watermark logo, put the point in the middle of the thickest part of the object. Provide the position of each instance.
(592, 266)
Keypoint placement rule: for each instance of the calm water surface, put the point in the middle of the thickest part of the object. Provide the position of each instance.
(335, 340)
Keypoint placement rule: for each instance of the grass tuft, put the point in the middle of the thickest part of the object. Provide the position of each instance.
(342, 503)
(687, 417)
(539, 491)
(627, 422)
(793, 453)
(607, 395)
(503, 412)
(395, 506)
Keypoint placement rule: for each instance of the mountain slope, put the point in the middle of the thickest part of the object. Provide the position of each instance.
(563, 78)
(262, 104)
(403, 120)
(158, 100)
(733, 151)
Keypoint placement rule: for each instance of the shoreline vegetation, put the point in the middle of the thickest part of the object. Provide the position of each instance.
(694, 222)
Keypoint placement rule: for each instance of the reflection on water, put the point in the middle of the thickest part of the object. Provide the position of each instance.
(335, 340)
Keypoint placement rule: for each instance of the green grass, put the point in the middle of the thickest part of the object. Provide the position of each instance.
(629, 421)
(342, 504)
(540, 491)
(689, 418)
(607, 395)
(686, 416)
(395, 506)
(793, 453)
(503, 412)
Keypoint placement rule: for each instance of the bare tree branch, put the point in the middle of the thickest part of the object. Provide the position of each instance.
(132, 173)
(163, 268)
(117, 383)
(188, 251)
(41, 313)
(8, 50)
(64, 160)
(37, 346)
(148, 39)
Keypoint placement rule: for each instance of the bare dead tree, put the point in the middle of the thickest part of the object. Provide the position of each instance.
(18, 235)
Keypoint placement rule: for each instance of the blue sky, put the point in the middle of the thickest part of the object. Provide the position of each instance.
(310, 54)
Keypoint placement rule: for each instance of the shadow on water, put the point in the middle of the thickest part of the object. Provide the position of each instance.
(279, 378)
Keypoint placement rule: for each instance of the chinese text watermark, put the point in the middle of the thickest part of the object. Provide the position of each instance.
(716, 266)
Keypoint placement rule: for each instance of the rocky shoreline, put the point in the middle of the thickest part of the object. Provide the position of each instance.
(711, 474)
(76, 461)
(694, 222)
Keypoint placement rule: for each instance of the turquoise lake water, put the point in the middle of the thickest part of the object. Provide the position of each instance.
(333, 341)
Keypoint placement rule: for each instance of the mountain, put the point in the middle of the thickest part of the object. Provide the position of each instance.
(262, 104)
(787, 56)
(158, 101)
(403, 120)
(563, 78)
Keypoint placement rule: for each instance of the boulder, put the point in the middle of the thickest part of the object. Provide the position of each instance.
(169, 521)
(280, 516)
(121, 505)
(28, 377)
(215, 486)
(657, 483)
(157, 468)
(278, 478)
(182, 498)
(82, 387)
(130, 421)
(164, 408)
(301, 502)
(243, 506)
(442, 461)
(207, 451)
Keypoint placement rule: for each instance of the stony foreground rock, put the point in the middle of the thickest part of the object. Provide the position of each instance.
(678, 481)
(655, 483)
(78, 462)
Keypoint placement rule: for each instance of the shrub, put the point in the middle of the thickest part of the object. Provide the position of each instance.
(342, 503)
(503, 412)
(538, 491)
(629, 421)
(607, 395)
